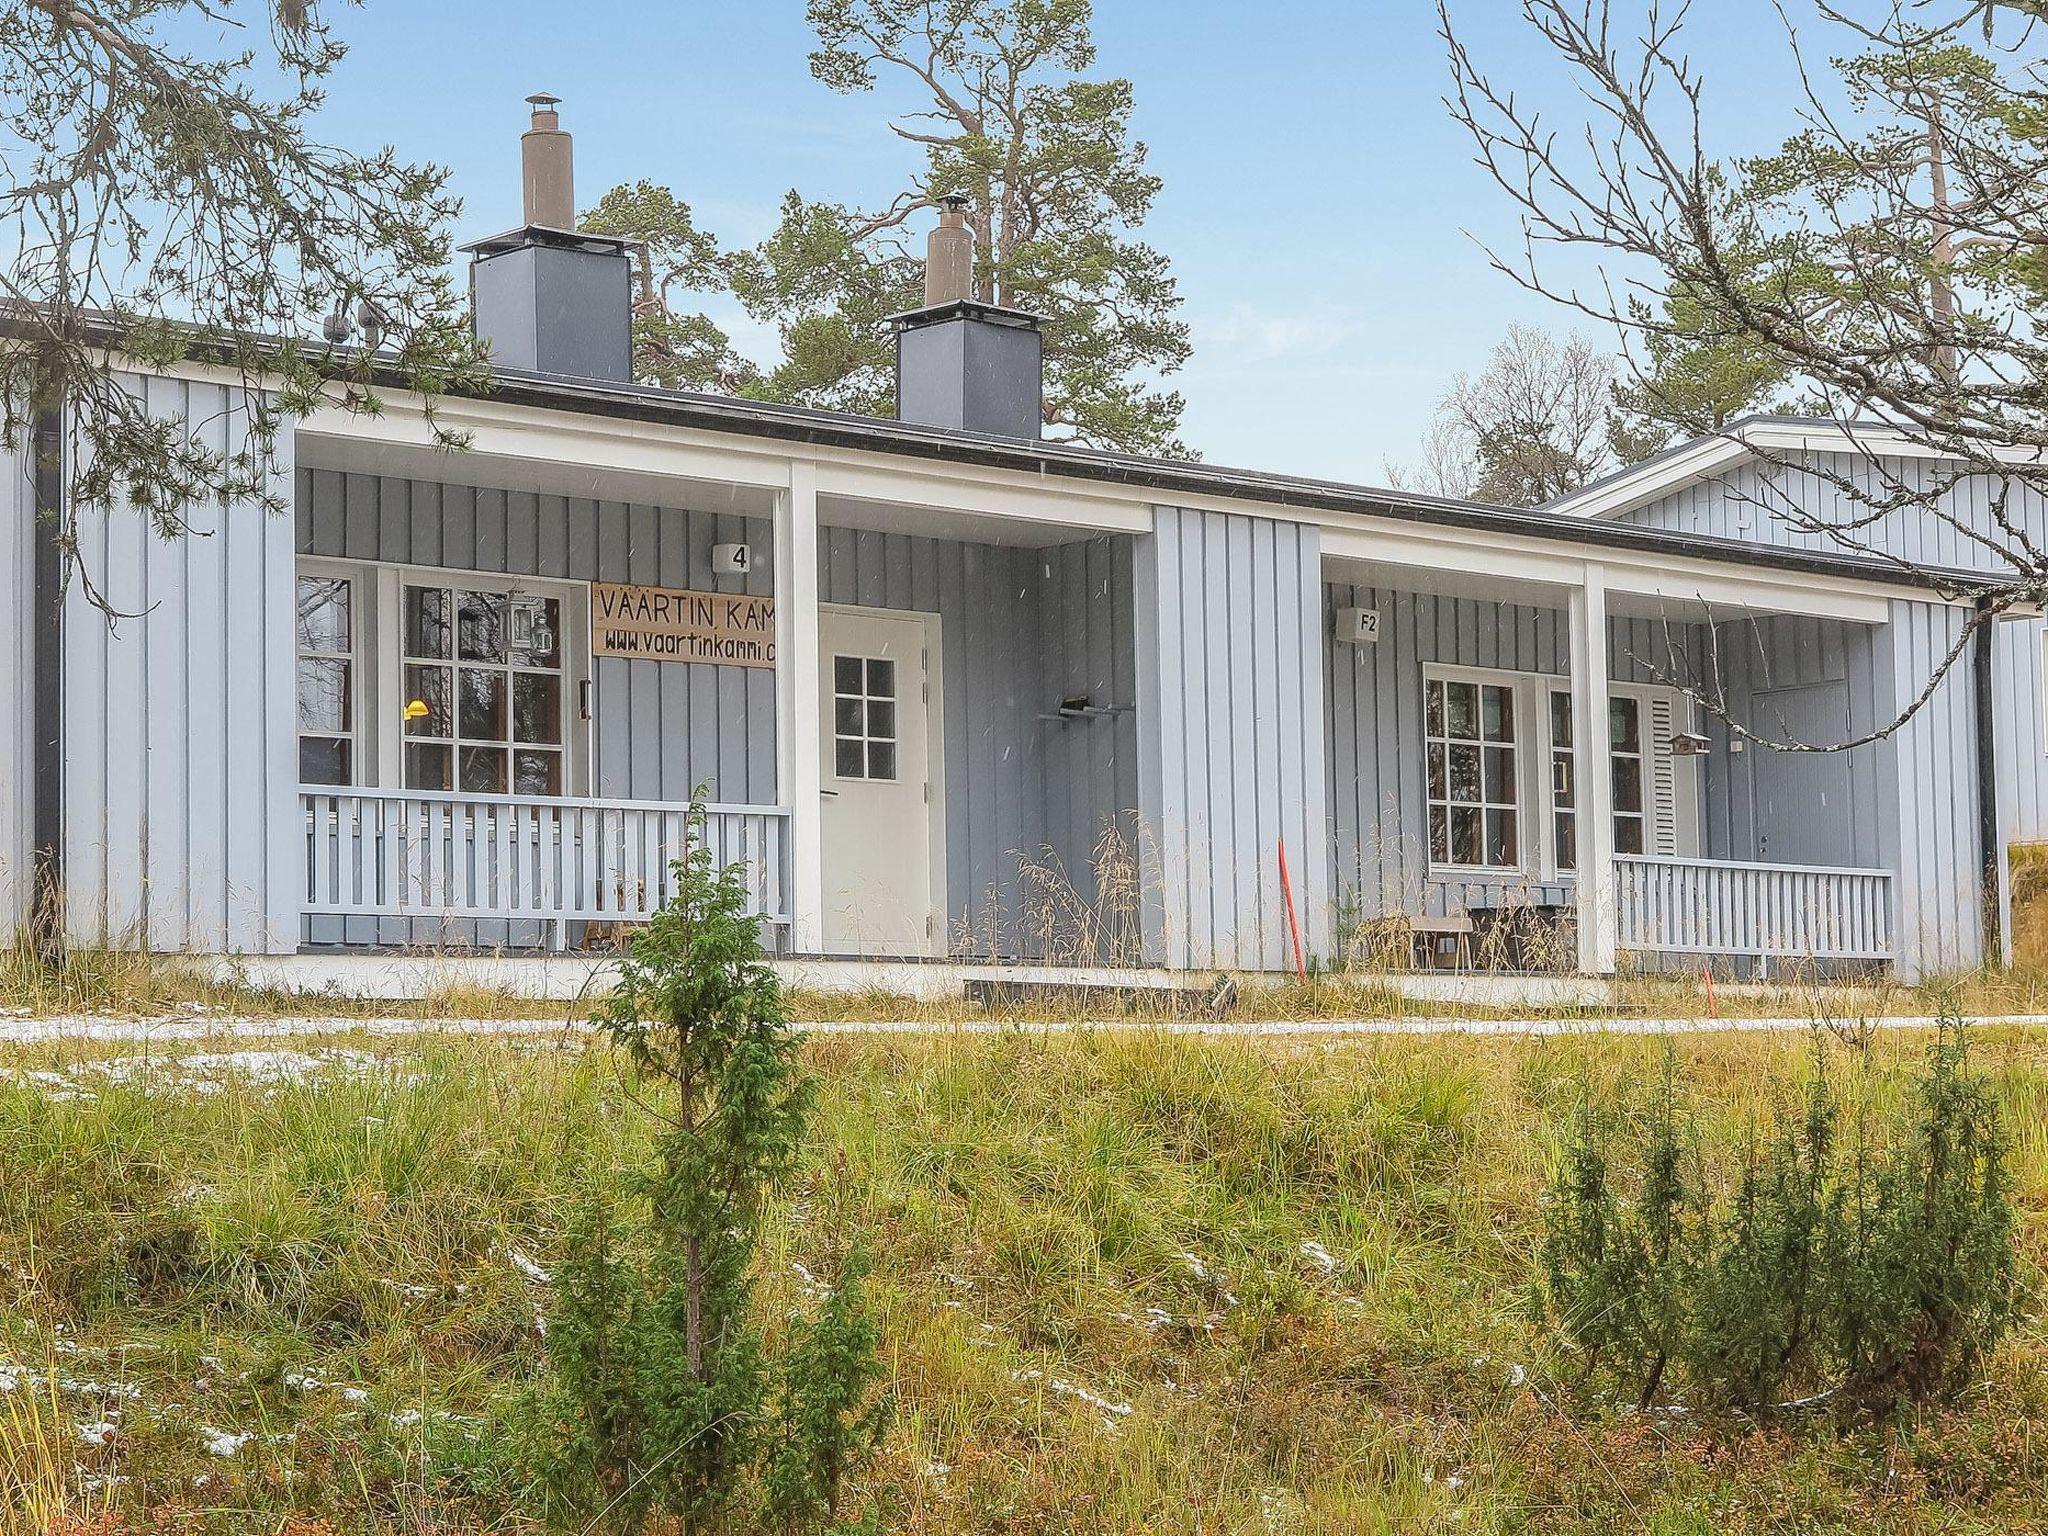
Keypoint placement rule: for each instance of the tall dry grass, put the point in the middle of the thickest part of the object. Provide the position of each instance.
(1130, 1282)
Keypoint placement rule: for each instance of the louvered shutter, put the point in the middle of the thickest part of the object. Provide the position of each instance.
(1672, 781)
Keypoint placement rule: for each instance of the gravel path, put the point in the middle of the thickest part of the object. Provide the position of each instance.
(196, 1026)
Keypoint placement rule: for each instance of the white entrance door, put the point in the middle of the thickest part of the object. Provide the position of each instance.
(876, 784)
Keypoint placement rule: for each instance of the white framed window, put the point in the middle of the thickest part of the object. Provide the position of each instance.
(864, 738)
(1473, 737)
(423, 678)
(1629, 767)
(484, 685)
(1654, 792)
(327, 622)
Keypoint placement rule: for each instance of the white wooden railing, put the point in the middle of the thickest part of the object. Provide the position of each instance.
(1715, 907)
(410, 853)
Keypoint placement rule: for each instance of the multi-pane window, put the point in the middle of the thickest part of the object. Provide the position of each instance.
(325, 623)
(863, 717)
(1473, 818)
(1625, 741)
(483, 690)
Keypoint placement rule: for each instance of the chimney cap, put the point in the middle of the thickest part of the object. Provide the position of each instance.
(543, 234)
(541, 101)
(964, 309)
(955, 202)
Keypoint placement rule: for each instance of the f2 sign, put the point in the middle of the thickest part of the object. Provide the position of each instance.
(1358, 626)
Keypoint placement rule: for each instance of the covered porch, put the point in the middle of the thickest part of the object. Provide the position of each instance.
(910, 723)
(1463, 814)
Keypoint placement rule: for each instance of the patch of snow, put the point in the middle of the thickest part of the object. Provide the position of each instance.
(103, 1432)
(219, 1442)
(526, 1266)
(1323, 1258)
(1112, 1411)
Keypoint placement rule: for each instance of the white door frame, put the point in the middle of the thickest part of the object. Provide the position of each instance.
(935, 742)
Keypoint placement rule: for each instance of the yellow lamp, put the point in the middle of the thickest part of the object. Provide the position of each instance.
(416, 709)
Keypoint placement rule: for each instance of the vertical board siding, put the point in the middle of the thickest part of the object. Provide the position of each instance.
(1231, 744)
(1774, 651)
(1020, 630)
(17, 681)
(1756, 501)
(1767, 504)
(1940, 925)
(2020, 743)
(661, 730)
(1379, 843)
(182, 831)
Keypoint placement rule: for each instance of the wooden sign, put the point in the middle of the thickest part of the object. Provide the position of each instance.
(725, 629)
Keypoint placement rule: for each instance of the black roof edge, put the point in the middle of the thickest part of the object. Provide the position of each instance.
(718, 413)
(749, 418)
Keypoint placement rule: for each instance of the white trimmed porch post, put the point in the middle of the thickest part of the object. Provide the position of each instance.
(1593, 775)
(798, 765)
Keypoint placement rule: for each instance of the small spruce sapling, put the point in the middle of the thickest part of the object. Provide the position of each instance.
(1847, 1271)
(665, 1398)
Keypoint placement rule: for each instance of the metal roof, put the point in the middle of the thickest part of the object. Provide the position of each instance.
(1171, 477)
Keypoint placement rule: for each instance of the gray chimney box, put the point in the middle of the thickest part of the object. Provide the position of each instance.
(971, 367)
(553, 301)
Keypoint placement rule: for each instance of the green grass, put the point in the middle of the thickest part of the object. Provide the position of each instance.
(1130, 1283)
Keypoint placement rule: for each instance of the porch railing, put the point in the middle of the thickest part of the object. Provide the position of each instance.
(1717, 907)
(409, 853)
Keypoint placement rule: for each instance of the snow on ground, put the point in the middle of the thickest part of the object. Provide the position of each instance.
(281, 1066)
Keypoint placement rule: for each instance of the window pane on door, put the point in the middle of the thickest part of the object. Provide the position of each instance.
(534, 626)
(323, 615)
(324, 760)
(428, 766)
(864, 717)
(1628, 784)
(483, 770)
(429, 686)
(1624, 723)
(324, 697)
(1628, 834)
(481, 716)
(426, 623)
(480, 627)
(536, 773)
(537, 707)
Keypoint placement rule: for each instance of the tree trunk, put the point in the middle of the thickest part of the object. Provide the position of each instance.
(1942, 298)
(693, 1305)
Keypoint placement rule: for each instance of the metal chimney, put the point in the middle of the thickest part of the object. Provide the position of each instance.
(949, 254)
(546, 297)
(960, 363)
(547, 167)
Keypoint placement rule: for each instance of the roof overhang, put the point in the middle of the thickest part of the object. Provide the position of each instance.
(545, 427)
(1777, 437)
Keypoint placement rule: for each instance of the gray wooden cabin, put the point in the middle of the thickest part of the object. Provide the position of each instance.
(946, 689)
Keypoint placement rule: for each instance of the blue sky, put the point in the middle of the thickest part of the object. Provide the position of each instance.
(1317, 198)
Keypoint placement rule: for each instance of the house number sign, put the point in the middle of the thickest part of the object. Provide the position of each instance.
(727, 629)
